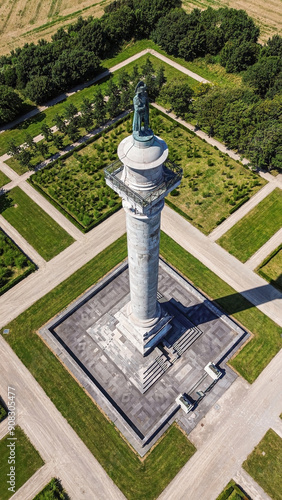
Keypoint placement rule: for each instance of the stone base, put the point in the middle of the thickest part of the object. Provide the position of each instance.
(143, 338)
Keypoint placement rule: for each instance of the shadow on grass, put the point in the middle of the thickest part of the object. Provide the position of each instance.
(5, 201)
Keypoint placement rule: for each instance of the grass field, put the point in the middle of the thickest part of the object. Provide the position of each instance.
(255, 229)
(14, 265)
(28, 461)
(35, 225)
(271, 268)
(268, 18)
(264, 464)
(23, 21)
(139, 480)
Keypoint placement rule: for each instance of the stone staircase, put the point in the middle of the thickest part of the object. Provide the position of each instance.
(155, 370)
(186, 340)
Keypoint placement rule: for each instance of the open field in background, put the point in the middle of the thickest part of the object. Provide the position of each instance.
(255, 229)
(35, 225)
(264, 464)
(23, 21)
(271, 268)
(28, 461)
(268, 16)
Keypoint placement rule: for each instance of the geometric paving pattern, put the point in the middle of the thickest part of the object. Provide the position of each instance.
(87, 333)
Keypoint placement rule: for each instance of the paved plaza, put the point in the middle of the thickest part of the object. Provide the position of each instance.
(87, 338)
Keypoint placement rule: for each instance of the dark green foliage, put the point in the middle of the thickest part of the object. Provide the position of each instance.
(53, 491)
(179, 95)
(14, 265)
(3, 411)
(232, 492)
(11, 105)
(265, 75)
(40, 89)
(205, 32)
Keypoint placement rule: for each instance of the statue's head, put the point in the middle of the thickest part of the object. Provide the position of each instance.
(140, 87)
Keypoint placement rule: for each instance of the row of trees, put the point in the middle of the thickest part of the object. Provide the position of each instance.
(43, 70)
(92, 113)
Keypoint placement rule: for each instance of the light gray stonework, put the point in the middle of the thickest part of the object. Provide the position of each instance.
(142, 182)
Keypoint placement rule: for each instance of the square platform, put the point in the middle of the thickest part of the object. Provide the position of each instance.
(138, 393)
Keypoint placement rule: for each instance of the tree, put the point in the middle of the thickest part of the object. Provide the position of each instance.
(72, 131)
(13, 149)
(60, 123)
(40, 89)
(263, 74)
(179, 96)
(70, 111)
(30, 142)
(113, 103)
(170, 30)
(11, 105)
(58, 141)
(24, 157)
(147, 68)
(99, 111)
(46, 132)
(236, 56)
(43, 148)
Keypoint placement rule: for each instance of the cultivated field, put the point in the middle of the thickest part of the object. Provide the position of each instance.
(267, 16)
(24, 21)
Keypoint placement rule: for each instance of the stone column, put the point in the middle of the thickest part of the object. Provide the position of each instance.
(143, 241)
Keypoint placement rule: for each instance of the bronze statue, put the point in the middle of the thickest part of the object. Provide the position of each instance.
(141, 111)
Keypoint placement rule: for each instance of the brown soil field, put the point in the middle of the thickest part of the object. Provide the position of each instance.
(267, 15)
(23, 21)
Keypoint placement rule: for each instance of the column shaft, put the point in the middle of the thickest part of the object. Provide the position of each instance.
(143, 239)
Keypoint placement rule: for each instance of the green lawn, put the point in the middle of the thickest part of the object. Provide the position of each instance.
(271, 268)
(14, 265)
(35, 225)
(232, 492)
(255, 229)
(27, 461)
(3, 179)
(139, 480)
(264, 464)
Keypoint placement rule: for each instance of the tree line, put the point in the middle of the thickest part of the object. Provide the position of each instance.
(43, 70)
